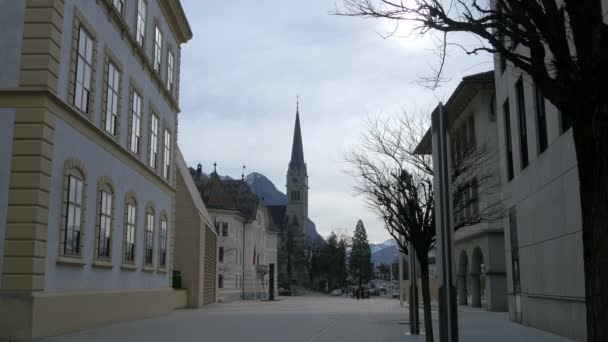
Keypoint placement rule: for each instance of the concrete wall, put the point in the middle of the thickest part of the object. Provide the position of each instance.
(546, 200)
(99, 162)
(11, 26)
(7, 118)
(188, 244)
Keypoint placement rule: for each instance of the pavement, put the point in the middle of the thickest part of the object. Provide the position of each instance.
(292, 319)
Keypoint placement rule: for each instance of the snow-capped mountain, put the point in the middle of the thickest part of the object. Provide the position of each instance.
(385, 252)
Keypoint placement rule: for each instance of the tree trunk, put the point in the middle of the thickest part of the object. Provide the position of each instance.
(426, 295)
(591, 142)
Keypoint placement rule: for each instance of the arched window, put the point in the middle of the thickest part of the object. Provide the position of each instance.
(74, 200)
(162, 255)
(130, 228)
(105, 217)
(149, 237)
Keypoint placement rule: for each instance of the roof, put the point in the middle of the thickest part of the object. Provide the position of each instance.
(226, 194)
(464, 92)
(297, 150)
(246, 201)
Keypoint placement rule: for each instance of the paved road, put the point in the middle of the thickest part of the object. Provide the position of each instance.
(318, 319)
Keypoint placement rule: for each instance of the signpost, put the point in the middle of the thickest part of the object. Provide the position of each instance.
(414, 312)
(448, 315)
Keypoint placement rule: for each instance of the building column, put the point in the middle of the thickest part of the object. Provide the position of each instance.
(462, 289)
(475, 290)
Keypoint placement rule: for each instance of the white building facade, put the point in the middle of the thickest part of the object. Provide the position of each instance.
(540, 192)
(247, 238)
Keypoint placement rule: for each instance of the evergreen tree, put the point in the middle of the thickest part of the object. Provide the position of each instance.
(361, 256)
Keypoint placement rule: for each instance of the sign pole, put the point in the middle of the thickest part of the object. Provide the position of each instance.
(448, 315)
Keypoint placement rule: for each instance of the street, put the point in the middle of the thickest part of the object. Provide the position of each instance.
(304, 319)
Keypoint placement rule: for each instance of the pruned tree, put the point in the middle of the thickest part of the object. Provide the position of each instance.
(563, 46)
(397, 184)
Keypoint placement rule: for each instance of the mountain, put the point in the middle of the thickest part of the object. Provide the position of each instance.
(375, 247)
(385, 252)
(387, 255)
(265, 189)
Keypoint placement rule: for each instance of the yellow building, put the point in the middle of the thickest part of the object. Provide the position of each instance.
(89, 103)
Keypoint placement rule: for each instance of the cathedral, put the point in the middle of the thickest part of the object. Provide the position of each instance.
(298, 232)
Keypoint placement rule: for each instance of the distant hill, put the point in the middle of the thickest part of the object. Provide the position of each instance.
(378, 246)
(265, 189)
(385, 252)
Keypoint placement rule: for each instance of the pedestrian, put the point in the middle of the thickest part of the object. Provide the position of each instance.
(357, 293)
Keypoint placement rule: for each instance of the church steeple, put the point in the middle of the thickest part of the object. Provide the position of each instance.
(297, 151)
(297, 175)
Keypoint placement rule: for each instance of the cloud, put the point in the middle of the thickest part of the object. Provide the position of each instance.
(247, 62)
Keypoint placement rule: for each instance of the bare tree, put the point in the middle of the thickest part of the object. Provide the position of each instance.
(563, 46)
(397, 184)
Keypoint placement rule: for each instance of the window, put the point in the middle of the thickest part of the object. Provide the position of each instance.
(521, 115)
(119, 5)
(149, 239)
(221, 254)
(217, 224)
(508, 142)
(158, 48)
(129, 252)
(140, 35)
(167, 154)
(541, 120)
(84, 62)
(220, 281)
(163, 243)
(105, 225)
(153, 160)
(565, 121)
(73, 215)
(112, 89)
(170, 71)
(135, 122)
(225, 229)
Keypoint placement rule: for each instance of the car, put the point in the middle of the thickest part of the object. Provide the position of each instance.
(336, 292)
(284, 292)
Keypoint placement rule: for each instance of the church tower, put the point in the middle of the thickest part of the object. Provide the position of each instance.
(297, 177)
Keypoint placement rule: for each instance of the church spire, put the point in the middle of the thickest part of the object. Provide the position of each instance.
(297, 151)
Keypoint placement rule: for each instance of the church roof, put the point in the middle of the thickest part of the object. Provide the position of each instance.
(297, 151)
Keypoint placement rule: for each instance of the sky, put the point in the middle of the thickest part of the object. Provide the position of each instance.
(247, 62)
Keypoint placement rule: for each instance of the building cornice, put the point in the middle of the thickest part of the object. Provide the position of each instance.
(44, 98)
(174, 12)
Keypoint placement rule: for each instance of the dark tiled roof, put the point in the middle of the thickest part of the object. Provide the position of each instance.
(246, 201)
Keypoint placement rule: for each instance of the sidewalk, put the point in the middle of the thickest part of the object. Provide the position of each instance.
(309, 319)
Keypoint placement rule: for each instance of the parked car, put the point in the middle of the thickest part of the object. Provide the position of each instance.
(284, 292)
(336, 292)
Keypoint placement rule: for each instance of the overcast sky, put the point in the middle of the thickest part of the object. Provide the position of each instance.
(249, 59)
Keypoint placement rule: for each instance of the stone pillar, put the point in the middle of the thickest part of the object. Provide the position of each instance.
(475, 291)
(462, 289)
